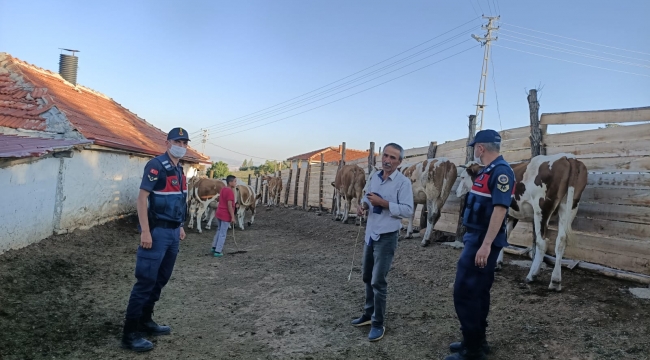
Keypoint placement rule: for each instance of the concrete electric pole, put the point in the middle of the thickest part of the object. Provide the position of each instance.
(485, 41)
(204, 140)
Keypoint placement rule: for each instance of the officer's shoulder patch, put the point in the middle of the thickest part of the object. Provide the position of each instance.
(503, 187)
(152, 178)
(502, 179)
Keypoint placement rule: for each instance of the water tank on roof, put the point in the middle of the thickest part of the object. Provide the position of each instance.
(68, 67)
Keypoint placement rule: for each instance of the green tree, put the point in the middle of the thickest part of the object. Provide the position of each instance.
(244, 166)
(220, 170)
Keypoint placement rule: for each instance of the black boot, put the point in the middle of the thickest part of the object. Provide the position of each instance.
(132, 339)
(458, 346)
(149, 326)
(467, 354)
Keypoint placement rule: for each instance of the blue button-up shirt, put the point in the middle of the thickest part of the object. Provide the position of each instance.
(397, 190)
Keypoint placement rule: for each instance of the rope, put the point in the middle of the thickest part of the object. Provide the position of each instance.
(355, 250)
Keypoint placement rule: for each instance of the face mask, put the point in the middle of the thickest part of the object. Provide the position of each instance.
(177, 151)
(477, 159)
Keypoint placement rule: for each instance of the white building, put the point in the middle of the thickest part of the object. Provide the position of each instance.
(70, 157)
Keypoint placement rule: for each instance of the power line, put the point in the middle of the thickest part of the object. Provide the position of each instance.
(360, 71)
(555, 48)
(279, 111)
(490, 7)
(236, 152)
(229, 127)
(475, 12)
(574, 62)
(480, 7)
(495, 90)
(575, 46)
(586, 42)
(345, 97)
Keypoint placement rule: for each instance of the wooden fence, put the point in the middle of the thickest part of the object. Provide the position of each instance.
(612, 226)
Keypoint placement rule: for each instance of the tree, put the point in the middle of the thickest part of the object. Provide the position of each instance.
(244, 166)
(220, 170)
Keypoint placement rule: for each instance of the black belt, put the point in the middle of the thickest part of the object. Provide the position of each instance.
(164, 224)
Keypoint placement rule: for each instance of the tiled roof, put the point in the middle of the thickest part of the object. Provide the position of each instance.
(12, 146)
(332, 154)
(27, 92)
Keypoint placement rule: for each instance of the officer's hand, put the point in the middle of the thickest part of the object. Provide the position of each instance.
(182, 234)
(482, 256)
(145, 240)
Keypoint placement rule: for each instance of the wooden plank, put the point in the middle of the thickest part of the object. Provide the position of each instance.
(622, 181)
(598, 116)
(628, 148)
(623, 230)
(517, 155)
(626, 213)
(630, 196)
(515, 133)
(623, 163)
(515, 144)
(451, 145)
(619, 133)
(416, 151)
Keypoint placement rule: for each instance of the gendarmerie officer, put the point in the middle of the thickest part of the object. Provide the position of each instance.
(161, 223)
(484, 217)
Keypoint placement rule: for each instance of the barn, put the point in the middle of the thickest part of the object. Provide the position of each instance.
(70, 157)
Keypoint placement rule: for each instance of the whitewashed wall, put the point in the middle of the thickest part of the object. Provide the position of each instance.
(97, 187)
(27, 197)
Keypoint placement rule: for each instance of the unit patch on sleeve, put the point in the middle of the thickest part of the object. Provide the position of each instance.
(152, 178)
(502, 179)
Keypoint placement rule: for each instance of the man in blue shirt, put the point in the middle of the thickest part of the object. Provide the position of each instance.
(164, 188)
(484, 216)
(390, 196)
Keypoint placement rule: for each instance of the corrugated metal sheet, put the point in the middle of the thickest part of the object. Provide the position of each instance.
(13, 146)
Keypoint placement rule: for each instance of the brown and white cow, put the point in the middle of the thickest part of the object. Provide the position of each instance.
(205, 191)
(349, 182)
(544, 186)
(247, 199)
(274, 184)
(431, 181)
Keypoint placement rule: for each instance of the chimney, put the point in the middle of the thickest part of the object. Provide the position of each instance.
(68, 66)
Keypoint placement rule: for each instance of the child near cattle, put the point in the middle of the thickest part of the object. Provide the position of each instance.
(225, 215)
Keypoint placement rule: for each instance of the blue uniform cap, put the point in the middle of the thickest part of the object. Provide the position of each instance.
(486, 136)
(178, 134)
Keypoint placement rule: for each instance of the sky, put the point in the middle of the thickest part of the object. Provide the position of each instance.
(211, 64)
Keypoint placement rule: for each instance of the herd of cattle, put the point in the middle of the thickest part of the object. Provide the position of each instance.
(544, 186)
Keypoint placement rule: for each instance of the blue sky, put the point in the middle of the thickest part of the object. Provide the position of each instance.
(202, 63)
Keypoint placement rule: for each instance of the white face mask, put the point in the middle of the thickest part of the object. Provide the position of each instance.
(477, 159)
(177, 151)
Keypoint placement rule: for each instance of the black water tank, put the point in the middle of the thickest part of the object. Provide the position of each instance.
(68, 68)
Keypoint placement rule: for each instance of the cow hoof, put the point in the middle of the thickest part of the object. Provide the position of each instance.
(408, 236)
(249, 223)
(498, 267)
(555, 285)
(425, 243)
(530, 279)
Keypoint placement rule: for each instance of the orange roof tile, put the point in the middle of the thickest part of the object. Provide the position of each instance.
(332, 154)
(27, 92)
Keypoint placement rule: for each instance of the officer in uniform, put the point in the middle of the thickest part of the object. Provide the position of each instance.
(484, 216)
(164, 188)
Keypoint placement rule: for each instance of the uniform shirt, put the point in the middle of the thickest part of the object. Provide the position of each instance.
(494, 182)
(397, 190)
(159, 182)
(225, 195)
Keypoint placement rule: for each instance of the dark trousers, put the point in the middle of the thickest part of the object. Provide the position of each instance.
(377, 259)
(153, 268)
(472, 291)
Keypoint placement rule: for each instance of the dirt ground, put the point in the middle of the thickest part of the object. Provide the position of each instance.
(288, 297)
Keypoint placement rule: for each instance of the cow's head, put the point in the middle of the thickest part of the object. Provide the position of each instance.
(467, 177)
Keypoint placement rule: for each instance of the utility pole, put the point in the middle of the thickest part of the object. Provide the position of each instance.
(485, 41)
(204, 140)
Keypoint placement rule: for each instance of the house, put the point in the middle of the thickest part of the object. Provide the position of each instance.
(330, 154)
(70, 157)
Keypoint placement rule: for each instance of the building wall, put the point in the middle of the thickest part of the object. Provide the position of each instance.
(28, 200)
(98, 186)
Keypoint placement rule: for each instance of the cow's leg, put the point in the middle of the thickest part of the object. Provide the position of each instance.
(539, 246)
(565, 217)
(433, 215)
(337, 206)
(250, 222)
(241, 213)
(190, 224)
(209, 216)
(510, 225)
(409, 228)
(346, 211)
(199, 215)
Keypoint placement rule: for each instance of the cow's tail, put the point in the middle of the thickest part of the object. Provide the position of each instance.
(571, 189)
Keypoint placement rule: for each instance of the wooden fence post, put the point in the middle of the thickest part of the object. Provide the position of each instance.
(305, 191)
(249, 179)
(536, 146)
(469, 156)
(371, 157)
(320, 182)
(211, 174)
(257, 182)
(295, 193)
(278, 196)
(286, 191)
(431, 153)
(335, 196)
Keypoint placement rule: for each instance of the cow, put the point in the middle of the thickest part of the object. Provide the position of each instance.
(544, 186)
(205, 192)
(274, 184)
(246, 198)
(349, 182)
(431, 181)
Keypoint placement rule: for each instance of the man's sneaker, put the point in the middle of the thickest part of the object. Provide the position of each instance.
(376, 333)
(362, 321)
(217, 254)
(212, 251)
